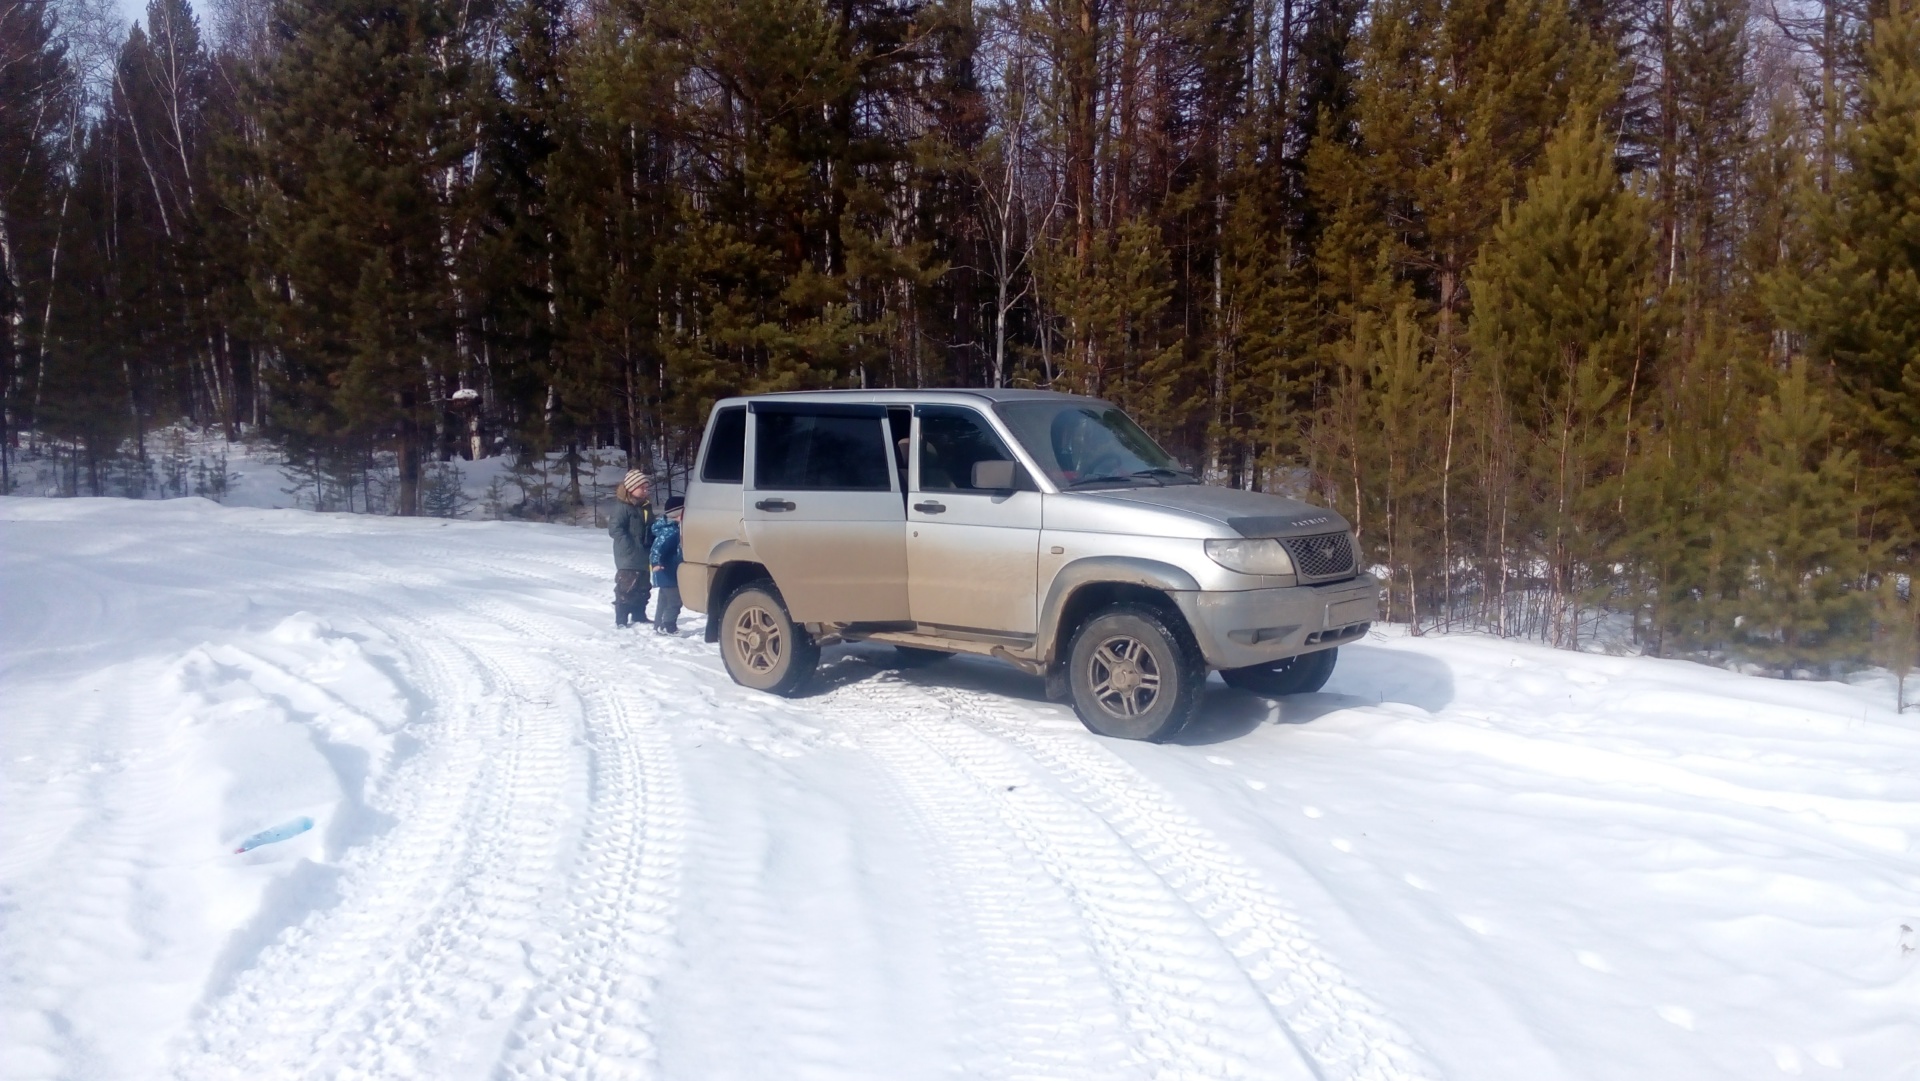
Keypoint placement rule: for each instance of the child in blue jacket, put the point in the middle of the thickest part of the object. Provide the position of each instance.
(665, 560)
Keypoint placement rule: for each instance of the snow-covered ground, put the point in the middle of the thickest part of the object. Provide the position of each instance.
(545, 848)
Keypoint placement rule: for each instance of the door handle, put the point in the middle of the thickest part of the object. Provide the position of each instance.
(775, 504)
(930, 508)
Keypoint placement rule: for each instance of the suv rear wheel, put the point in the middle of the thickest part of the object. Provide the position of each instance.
(1132, 676)
(1296, 675)
(762, 646)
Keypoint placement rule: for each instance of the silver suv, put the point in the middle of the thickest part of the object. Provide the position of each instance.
(1044, 529)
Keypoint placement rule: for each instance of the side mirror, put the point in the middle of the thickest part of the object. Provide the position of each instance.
(994, 475)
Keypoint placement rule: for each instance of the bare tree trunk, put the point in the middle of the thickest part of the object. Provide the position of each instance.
(1560, 586)
(53, 279)
(16, 350)
(1669, 150)
(174, 109)
(1222, 345)
(1446, 509)
(1829, 91)
(146, 161)
(1500, 597)
(1083, 91)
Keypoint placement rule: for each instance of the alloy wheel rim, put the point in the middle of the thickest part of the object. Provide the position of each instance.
(1124, 676)
(757, 639)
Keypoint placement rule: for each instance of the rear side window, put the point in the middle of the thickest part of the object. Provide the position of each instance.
(822, 452)
(727, 451)
(952, 439)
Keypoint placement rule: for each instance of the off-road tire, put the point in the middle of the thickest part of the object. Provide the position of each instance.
(1132, 676)
(916, 657)
(761, 645)
(1303, 674)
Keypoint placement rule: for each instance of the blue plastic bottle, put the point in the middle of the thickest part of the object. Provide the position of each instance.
(278, 833)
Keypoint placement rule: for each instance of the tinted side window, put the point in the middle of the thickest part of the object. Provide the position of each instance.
(727, 450)
(804, 450)
(952, 439)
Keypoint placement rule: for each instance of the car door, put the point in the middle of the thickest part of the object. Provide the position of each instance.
(823, 511)
(972, 553)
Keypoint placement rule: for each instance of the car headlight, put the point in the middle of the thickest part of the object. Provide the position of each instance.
(1251, 556)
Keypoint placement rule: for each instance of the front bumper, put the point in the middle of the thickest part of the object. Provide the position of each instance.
(1257, 626)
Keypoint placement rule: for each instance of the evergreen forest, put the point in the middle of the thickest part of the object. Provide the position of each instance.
(1596, 317)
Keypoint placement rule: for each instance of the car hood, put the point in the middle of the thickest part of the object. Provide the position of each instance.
(1250, 514)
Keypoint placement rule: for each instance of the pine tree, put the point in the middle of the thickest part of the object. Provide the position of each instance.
(1272, 330)
(1859, 302)
(1384, 430)
(366, 123)
(627, 309)
(945, 324)
(1563, 327)
(86, 389)
(1116, 301)
(1454, 104)
(1272, 334)
(523, 265)
(1802, 606)
(1778, 176)
(791, 248)
(1712, 97)
(1682, 516)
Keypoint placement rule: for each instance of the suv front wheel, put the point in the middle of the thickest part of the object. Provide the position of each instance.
(762, 646)
(1132, 676)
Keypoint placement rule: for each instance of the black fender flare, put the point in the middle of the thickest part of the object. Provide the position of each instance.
(1103, 570)
(723, 577)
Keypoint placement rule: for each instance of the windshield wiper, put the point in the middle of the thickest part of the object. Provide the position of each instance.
(1169, 474)
(1158, 477)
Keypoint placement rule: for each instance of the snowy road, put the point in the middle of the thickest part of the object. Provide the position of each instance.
(548, 849)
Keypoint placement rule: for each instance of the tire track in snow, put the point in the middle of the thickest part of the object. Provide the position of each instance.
(1033, 1002)
(419, 904)
(586, 1013)
(294, 994)
(1344, 1033)
(987, 807)
(1192, 1012)
(451, 969)
(600, 961)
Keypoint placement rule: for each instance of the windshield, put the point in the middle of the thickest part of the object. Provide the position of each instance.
(1087, 443)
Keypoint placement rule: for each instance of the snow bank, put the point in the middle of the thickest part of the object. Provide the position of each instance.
(183, 462)
(544, 847)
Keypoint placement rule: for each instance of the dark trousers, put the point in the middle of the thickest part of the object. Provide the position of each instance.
(666, 610)
(630, 590)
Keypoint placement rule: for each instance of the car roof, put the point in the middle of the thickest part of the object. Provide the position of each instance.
(902, 395)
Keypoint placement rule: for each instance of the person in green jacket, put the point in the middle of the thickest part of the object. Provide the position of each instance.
(631, 526)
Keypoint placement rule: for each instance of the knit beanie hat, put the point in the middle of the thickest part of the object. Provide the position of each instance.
(675, 502)
(634, 480)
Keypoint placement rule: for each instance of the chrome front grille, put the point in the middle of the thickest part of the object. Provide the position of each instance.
(1329, 555)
